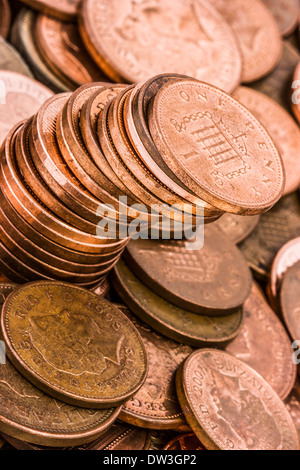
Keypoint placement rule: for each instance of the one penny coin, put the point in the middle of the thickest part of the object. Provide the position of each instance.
(237, 227)
(286, 14)
(290, 300)
(65, 10)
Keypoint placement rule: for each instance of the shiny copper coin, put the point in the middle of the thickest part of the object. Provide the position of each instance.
(257, 33)
(290, 300)
(296, 98)
(173, 322)
(11, 60)
(214, 280)
(275, 228)
(237, 227)
(229, 406)
(286, 14)
(285, 259)
(27, 413)
(184, 442)
(20, 96)
(292, 404)
(80, 348)
(62, 49)
(65, 10)
(5, 16)
(271, 358)
(282, 128)
(22, 37)
(134, 41)
(155, 405)
(278, 84)
(216, 147)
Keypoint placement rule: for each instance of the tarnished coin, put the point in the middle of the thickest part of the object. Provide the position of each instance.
(290, 300)
(27, 413)
(296, 100)
(73, 344)
(62, 49)
(186, 442)
(282, 128)
(275, 228)
(286, 14)
(171, 321)
(133, 41)
(5, 16)
(216, 147)
(237, 227)
(278, 84)
(292, 404)
(285, 259)
(155, 405)
(229, 406)
(20, 97)
(22, 37)
(65, 10)
(11, 60)
(214, 280)
(257, 33)
(271, 358)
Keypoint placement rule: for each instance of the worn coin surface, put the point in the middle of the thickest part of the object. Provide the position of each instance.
(20, 97)
(173, 322)
(286, 14)
(214, 280)
(27, 413)
(216, 147)
(229, 406)
(73, 344)
(282, 128)
(275, 228)
(155, 405)
(290, 300)
(257, 33)
(5, 16)
(271, 358)
(65, 10)
(184, 442)
(11, 60)
(133, 41)
(237, 227)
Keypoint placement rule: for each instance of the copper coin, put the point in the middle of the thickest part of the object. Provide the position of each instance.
(173, 322)
(119, 436)
(286, 14)
(229, 406)
(214, 280)
(20, 96)
(5, 290)
(275, 228)
(27, 413)
(65, 10)
(155, 405)
(271, 358)
(79, 347)
(102, 289)
(278, 84)
(134, 41)
(5, 16)
(184, 442)
(257, 33)
(22, 37)
(11, 60)
(296, 102)
(282, 128)
(286, 257)
(216, 147)
(237, 227)
(290, 300)
(62, 49)
(292, 404)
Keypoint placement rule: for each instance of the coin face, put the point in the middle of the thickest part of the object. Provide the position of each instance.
(28, 414)
(155, 405)
(286, 14)
(65, 10)
(237, 227)
(216, 147)
(271, 358)
(5, 16)
(213, 281)
(290, 300)
(282, 128)
(20, 97)
(73, 344)
(257, 34)
(133, 41)
(229, 406)
(11, 60)
(184, 442)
